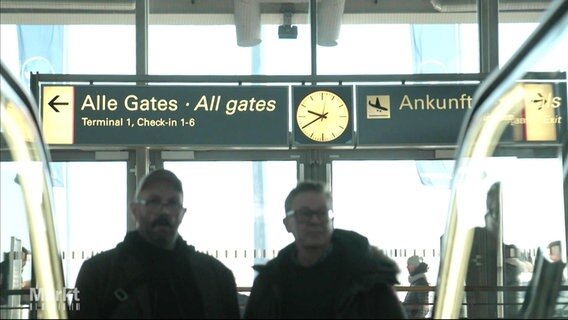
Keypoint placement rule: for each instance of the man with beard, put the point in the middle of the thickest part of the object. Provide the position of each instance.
(324, 273)
(416, 302)
(154, 273)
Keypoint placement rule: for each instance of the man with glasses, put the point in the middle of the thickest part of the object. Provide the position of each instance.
(324, 273)
(154, 273)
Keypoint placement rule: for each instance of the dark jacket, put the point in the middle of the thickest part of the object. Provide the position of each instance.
(119, 283)
(361, 282)
(416, 302)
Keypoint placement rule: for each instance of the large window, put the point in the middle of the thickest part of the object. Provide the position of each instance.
(235, 210)
(91, 210)
(402, 206)
(445, 42)
(13, 218)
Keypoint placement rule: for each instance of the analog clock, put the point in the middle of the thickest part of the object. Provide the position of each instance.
(322, 116)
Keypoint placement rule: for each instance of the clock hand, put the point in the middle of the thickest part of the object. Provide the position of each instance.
(317, 114)
(316, 119)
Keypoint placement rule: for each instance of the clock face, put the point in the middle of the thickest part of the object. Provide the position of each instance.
(322, 116)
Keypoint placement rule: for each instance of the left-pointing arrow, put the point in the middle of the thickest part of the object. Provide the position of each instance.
(52, 103)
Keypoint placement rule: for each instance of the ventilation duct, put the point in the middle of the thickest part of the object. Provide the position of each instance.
(247, 22)
(504, 5)
(329, 17)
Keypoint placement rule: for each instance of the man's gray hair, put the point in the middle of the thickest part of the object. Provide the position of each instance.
(308, 186)
(159, 175)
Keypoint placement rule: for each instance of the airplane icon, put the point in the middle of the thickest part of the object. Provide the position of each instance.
(377, 105)
(541, 100)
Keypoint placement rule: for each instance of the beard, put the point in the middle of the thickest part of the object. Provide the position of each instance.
(162, 232)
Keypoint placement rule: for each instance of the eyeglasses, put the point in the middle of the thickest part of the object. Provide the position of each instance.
(305, 215)
(157, 204)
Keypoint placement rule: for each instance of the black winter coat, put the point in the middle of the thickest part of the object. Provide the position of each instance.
(368, 291)
(115, 284)
(416, 302)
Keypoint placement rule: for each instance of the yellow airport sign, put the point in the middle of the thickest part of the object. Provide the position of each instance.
(58, 114)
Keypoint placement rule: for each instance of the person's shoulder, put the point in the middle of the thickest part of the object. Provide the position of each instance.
(349, 238)
(284, 257)
(270, 266)
(423, 282)
(204, 260)
(202, 256)
(102, 257)
(382, 261)
(357, 246)
(97, 267)
(274, 268)
(376, 263)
